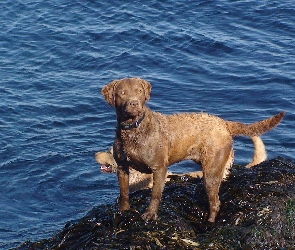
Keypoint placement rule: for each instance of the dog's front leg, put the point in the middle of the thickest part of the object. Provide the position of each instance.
(123, 177)
(159, 177)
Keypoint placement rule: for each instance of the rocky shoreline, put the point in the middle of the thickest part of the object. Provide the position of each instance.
(257, 212)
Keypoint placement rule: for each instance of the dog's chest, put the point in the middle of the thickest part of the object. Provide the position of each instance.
(132, 143)
(134, 149)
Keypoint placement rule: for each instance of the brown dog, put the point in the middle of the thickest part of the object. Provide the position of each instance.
(138, 180)
(150, 142)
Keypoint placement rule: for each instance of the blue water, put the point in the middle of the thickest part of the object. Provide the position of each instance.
(230, 58)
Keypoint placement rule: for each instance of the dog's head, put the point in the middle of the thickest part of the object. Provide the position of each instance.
(128, 96)
(107, 161)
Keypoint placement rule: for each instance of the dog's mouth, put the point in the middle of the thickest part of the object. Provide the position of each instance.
(106, 168)
(132, 113)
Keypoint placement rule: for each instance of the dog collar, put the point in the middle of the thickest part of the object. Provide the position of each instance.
(127, 126)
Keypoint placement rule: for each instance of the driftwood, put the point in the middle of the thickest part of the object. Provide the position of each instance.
(257, 212)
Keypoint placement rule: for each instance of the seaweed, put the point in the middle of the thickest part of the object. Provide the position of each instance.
(257, 212)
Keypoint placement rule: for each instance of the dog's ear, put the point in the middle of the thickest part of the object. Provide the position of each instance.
(111, 150)
(108, 92)
(147, 89)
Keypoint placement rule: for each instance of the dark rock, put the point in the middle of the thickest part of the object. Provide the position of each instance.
(257, 212)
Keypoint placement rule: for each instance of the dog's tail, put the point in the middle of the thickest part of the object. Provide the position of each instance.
(255, 129)
(260, 154)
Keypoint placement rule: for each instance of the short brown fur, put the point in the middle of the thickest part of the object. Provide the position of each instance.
(137, 180)
(161, 140)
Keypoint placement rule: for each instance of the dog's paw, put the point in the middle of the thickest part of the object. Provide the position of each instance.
(149, 216)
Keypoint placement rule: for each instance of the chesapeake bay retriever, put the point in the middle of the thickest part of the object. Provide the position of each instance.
(138, 180)
(150, 141)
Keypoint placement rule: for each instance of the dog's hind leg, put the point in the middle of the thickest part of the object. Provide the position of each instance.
(214, 169)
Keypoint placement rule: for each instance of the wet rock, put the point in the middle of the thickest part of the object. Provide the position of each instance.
(257, 212)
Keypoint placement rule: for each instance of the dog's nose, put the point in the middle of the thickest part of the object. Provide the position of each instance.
(134, 103)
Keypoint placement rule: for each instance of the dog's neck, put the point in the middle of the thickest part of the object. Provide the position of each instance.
(132, 125)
